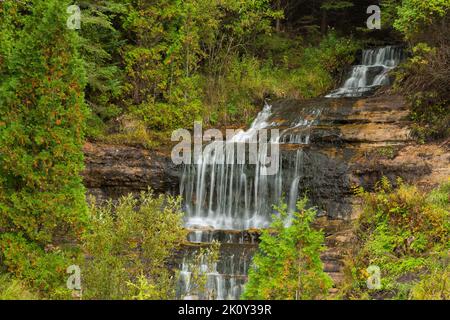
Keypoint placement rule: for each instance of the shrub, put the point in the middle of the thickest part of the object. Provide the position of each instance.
(423, 78)
(433, 286)
(416, 16)
(201, 263)
(301, 72)
(128, 245)
(335, 54)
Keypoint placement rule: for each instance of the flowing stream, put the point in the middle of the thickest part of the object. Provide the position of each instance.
(224, 201)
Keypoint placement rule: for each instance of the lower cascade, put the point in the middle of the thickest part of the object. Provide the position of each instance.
(225, 279)
(223, 200)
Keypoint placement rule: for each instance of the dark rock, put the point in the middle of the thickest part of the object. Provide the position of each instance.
(115, 170)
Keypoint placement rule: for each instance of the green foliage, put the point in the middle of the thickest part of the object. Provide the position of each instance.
(386, 152)
(424, 77)
(167, 63)
(431, 116)
(134, 131)
(299, 72)
(405, 232)
(433, 286)
(415, 16)
(389, 12)
(13, 289)
(287, 265)
(171, 40)
(42, 269)
(335, 54)
(128, 245)
(100, 43)
(331, 5)
(42, 115)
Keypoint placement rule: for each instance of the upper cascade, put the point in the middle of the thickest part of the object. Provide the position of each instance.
(372, 73)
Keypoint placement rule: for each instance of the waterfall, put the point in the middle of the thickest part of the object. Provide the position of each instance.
(235, 196)
(372, 73)
(222, 200)
(225, 279)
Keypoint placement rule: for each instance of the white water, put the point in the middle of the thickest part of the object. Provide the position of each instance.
(236, 196)
(372, 73)
(224, 280)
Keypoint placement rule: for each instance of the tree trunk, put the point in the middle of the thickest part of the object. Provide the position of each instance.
(278, 22)
(324, 24)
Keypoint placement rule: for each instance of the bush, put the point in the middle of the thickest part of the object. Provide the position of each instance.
(201, 263)
(335, 54)
(300, 72)
(128, 246)
(423, 79)
(287, 265)
(433, 286)
(415, 17)
(166, 117)
(42, 269)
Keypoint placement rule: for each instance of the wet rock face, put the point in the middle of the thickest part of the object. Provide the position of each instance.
(112, 171)
(323, 179)
(353, 142)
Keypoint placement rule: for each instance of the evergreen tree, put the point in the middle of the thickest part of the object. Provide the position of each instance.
(287, 265)
(42, 114)
(101, 40)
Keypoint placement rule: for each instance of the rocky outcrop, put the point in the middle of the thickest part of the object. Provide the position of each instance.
(354, 142)
(115, 170)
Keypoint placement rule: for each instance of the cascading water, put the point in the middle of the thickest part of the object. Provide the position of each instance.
(227, 196)
(372, 73)
(222, 200)
(240, 196)
(224, 280)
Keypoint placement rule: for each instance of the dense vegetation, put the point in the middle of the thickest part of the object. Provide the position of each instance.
(213, 61)
(424, 78)
(42, 118)
(406, 233)
(160, 65)
(137, 70)
(128, 246)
